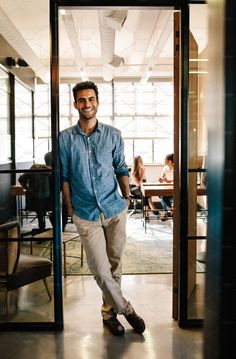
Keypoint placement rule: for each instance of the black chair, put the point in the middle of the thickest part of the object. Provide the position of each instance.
(17, 269)
(136, 198)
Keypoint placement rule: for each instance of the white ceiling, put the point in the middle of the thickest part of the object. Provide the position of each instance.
(145, 41)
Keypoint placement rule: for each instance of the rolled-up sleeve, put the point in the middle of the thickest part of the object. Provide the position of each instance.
(119, 164)
(64, 156)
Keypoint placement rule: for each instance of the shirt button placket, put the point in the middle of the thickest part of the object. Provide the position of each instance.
(92, 169)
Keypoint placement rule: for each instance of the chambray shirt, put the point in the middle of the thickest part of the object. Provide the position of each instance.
(92, 165)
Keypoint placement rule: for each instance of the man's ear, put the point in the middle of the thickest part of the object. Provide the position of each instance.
(75, 106)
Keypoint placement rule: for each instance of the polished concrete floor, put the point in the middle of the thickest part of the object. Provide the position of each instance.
(84, 336)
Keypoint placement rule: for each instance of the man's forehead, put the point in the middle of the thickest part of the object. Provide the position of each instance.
(85, 93)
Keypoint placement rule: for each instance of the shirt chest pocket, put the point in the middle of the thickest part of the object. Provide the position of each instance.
(103, 153)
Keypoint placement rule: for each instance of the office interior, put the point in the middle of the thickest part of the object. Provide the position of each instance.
(166, 80)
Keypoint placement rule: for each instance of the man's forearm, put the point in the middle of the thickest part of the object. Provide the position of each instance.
(124, 186)
(67, 196)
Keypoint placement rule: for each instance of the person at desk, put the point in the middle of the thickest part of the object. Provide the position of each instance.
(137, 177)
(38, 193)
(167, 176)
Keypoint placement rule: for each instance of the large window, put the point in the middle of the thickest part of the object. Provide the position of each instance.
(42, 125)
(5, 148)
(23, 121)
(143, 113)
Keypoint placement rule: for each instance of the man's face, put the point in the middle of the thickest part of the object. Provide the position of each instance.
(86, 103)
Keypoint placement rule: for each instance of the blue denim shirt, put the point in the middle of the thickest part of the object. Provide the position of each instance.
(92, 165)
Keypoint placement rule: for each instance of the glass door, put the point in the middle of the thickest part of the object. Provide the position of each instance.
(193, 185)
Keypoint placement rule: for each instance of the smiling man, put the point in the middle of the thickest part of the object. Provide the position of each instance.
(94, 173)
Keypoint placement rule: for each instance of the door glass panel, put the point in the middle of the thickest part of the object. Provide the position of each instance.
(26, 262)
(23, 123)
(26, 271)
(5, 148)
(196, 273)
(196, 161)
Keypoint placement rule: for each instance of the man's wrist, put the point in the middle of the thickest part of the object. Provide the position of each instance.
(69, 207)
(127, 197)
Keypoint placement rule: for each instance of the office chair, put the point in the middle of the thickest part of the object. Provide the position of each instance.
(17, 269)
(135, 199)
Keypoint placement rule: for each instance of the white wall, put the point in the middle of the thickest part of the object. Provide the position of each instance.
(153, 172)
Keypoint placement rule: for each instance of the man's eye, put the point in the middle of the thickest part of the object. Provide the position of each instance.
(83, 100)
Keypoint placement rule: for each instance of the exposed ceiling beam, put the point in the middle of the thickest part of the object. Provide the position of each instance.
(15, 39)
(73, 38)
(158, 41)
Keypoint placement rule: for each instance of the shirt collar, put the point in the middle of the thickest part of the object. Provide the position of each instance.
(77, 128)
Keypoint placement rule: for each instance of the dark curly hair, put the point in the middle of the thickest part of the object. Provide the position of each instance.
(85, 85)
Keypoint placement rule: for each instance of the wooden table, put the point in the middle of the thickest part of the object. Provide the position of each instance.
(160, 189)
(167, 189)
(66, 237)
(154, 189)
(17, 190)
(157, 189)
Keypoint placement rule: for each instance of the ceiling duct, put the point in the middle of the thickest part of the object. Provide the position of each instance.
(116, 19)
(109, 22)
(73, 38)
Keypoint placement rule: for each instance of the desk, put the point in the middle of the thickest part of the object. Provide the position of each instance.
(66, 237)
(157, 189)
(18, 191)
(160, 189)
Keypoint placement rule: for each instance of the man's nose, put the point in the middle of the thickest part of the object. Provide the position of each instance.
(87, 102)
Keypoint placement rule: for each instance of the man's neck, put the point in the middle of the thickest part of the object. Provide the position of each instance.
(88, 127)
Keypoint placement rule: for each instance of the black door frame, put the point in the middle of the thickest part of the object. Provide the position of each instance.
(55, 5)
(183, 6)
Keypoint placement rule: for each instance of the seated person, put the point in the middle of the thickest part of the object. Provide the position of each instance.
(137, 177)
(38, 193)
(167, 176)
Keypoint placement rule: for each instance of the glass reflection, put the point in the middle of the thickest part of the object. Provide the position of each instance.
(26, 290)
(196, 279)
(197, 155)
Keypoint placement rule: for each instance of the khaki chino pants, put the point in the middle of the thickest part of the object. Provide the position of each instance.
(104, 243)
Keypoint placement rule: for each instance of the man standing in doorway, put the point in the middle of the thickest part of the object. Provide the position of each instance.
(93, 170)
